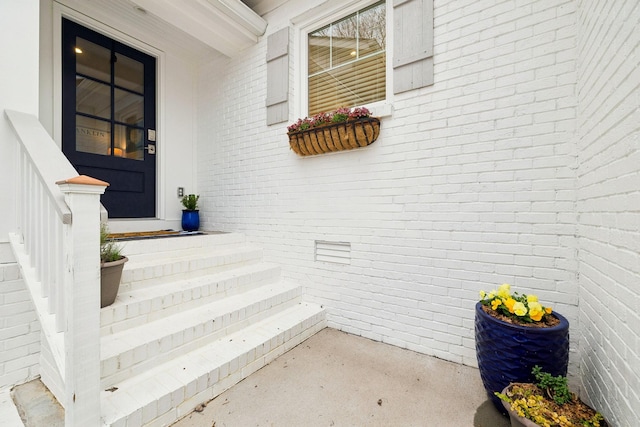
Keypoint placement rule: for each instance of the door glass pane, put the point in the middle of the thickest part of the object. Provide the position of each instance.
(93, 98)
(129, 73)
(129, 142)
(93, 60)
(93, 135)
(129, 107)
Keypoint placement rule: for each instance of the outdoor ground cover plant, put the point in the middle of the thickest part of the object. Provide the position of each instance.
(549, 403)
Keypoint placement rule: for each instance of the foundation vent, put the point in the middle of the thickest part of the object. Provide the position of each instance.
(336, 252)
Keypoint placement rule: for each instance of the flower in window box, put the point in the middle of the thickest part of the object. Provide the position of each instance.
(342, 129)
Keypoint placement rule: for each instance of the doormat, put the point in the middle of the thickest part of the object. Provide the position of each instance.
(137, 235)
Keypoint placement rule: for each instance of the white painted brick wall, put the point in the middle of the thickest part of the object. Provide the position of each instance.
(608, 201)
(471, 183)
(19, 329)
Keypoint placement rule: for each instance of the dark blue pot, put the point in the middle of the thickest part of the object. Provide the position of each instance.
(190, 220)
(506, 353)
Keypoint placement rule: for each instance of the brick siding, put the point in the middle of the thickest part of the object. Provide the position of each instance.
(608, 201)
(19, 330)
(471, 183)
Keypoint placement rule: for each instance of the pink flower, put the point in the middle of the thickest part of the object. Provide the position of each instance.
(320, 119)
(340, 115)
(359, 112)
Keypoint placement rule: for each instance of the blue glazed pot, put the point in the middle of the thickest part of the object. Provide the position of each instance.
(506, 352)
(190, 220)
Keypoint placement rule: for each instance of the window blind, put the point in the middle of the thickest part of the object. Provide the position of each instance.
(347, 61)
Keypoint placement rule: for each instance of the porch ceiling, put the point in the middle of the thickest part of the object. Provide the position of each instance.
(197, 28)
(228, 26)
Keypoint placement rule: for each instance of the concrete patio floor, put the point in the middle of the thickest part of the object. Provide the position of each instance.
(337, 379)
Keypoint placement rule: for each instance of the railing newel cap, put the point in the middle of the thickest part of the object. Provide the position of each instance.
(83, 180)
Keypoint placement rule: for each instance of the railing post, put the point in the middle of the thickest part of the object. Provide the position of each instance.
(82, 301)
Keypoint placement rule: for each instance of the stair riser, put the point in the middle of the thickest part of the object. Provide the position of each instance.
(134, 278)
(194, 316)
(124, 316)
(170, 244)
(262, 356)
(169, 406)
(117, 368)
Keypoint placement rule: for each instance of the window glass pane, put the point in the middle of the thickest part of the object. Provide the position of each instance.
(347, 61)
(319, 51)
(93, 60)
(93, 97)
(129, 73)
(129, 142)
(358, 83)
(93, 135)
(344, 41)
(129, 107)
(372, 30)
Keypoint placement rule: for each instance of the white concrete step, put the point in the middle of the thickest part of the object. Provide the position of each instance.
(134, 350)
(144, 270)
(194, 315)
(150, 303)
(170, 244)
(167, 392)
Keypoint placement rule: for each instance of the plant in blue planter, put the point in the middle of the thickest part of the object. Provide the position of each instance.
(190, 213)
(513, 334)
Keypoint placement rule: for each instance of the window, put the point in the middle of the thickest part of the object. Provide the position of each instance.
(357, 53)
(347, 61)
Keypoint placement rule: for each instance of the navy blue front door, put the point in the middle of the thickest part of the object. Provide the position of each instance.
(109, 118)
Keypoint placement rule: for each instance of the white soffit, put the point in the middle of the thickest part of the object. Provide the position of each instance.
(228, 26)
(261, 7)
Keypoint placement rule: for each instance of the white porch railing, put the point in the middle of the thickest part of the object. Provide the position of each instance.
(57, 247)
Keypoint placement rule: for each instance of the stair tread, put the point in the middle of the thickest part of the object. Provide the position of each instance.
(116, 343)
(179, 376)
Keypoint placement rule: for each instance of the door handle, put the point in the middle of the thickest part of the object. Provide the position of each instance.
(151, 148)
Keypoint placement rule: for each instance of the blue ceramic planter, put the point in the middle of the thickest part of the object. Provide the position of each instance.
(506, 353)
(190, 220)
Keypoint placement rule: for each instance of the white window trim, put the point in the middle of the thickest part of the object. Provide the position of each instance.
(318, 17)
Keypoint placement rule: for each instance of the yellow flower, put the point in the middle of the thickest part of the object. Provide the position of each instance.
(519, 309)
(509, 303)
(517, 306)
(504, 291)
(535, 311)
